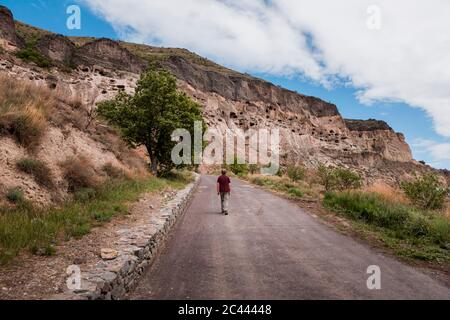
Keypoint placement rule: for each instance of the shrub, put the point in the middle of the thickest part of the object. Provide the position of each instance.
(326, 177)
(295, 192)
(296, 173)
(112, 171)
(79, 174)
(23, 109)
(281, 171)
(237, 168)
(14, 195)
(347, 179)
(31, 54)
(38, 170)
(338, 178)
(404, 220)
(253, 168)
(426, 192)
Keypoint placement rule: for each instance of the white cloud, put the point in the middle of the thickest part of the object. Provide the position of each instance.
(407, 60)
(438, 152)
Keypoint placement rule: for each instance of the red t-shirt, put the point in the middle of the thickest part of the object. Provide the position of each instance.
(224, 184)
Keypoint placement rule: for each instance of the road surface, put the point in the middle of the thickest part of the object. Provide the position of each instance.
(269, 248)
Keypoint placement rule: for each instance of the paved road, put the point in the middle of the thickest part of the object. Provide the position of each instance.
(269, 248)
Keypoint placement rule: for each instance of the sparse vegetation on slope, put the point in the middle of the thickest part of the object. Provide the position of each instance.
(14, 195)
(39, 170)
(296, 173)
(426, 192)
(26, 227)
(31, 54)
(410, 231)
(79, 173)
(23, 110)
(29, 33)
(338, 178)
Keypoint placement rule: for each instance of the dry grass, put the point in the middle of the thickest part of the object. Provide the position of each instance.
(112, 171)
(38, 169)
(23, 110)
(387, 192)
(37, 229)
(79, 173)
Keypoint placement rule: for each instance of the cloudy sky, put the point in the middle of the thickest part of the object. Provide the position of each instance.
(383, 59)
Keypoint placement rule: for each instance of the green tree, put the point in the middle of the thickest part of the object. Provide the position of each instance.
(326, 177)
(338, 178)
(296, 173)
(237, 168)
(252, 168)
(426, 192)
(150, 116)
(347, 179)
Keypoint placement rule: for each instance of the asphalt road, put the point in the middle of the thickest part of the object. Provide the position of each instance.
(269, 248)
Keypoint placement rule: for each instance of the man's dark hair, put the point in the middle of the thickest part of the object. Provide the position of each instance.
(224, 172)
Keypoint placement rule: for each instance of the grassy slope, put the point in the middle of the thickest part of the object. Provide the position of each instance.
(409, 231)
(150, 53)
(26, 227)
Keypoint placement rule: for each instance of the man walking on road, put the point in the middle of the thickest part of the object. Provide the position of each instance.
(224, 190)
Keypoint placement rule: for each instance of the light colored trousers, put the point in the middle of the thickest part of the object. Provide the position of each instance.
(224, 198)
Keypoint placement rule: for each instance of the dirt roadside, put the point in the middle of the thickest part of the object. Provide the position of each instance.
(31, 277)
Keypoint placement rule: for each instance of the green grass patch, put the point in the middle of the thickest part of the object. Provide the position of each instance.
(26, 227)
(410, 232)
(14, 195)
(31, 54)
(297, 189)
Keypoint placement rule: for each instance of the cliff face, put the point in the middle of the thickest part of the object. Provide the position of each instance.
(244, 88)
(8, 37)
(312, 130)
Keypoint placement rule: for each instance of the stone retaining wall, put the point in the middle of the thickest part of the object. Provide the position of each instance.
(136, 250)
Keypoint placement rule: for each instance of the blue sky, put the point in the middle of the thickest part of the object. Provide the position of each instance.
(417, 126)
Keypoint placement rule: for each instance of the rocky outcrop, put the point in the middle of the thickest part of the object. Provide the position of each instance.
(366, 125)
(56, 47)
(108, 54)
(312, 130)
(8, 37)
(238, 87)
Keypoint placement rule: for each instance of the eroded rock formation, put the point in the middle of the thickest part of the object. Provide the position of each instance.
(312, 130)
(8, 37)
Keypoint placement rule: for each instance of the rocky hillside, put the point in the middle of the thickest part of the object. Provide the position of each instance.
(312, 130)
(46, 124)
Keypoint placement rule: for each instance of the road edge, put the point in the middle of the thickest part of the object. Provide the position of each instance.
(139, 246)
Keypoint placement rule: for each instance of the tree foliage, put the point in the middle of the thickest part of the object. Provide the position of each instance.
(338, 179)
(426, 192)
(253, 168)
(296, 173)
(150, 116)
(240, 169)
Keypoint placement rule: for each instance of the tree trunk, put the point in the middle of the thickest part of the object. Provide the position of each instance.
(154, 167)
(153, 161)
